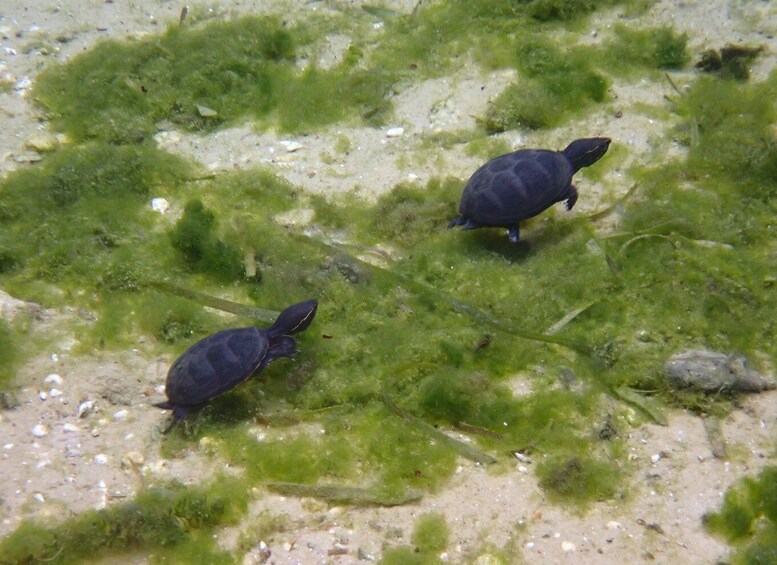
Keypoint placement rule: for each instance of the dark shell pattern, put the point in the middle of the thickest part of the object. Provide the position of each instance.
(221, 361)
(516, 186)
(215, 365)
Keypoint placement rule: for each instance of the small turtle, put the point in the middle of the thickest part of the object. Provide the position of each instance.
(220, 362)
(519, 185)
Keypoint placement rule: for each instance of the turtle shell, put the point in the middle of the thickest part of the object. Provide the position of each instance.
(516, 186)
(216, 364)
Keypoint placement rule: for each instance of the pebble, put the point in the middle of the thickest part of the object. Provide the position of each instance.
(712, 371)
(40, 431)
(55, 392)
(160, 205)
(68, 427)
(568, 546)
(395, 132)
(39, 497)
(86, 407)
(42, 143)
(655, 458)
(121, 415)
(53, 379)
(101, 459)
(42, 395)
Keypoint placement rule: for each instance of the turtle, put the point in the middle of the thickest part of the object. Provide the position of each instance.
(519, 185)
(223, 360)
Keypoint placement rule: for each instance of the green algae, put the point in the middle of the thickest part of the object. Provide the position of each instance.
(158, 518)
(748, 518)
(430, 538)
(193, 237)
(554, 84)
(632, 51)
(215, 73)
(8, 354)
(578, 478)
(688, 265)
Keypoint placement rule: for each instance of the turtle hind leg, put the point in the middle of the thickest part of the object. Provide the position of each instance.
(464, 222)
(179, 413)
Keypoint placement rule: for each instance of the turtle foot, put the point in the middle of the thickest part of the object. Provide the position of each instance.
(514, 234)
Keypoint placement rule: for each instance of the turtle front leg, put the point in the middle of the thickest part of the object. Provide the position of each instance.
(513, 233)
(571, 197)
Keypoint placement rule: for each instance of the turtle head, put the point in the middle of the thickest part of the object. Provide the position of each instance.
(585, 152)
(295, 318)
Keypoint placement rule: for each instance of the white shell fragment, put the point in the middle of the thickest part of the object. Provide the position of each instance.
(86, 407)
(40, 431)
(395, 132)
(291, 146)
(101, 459)
(53, 380)
(121, 415)
(68, 427)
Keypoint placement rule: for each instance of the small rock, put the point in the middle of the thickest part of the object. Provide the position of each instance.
(40, 431)
(68, 427)
(39, 497)
(55, 392)
(101, 459)
(42, 143)
(42, 395)
(121, 415)
(568, 546)
(655, 458)
(132, 459)
(8, 401)
(53, 380)
(86, 408)
(711, 371)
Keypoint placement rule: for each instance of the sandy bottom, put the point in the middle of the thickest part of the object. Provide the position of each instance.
(55, 463)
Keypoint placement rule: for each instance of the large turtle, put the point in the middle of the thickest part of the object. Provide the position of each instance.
(519, 185)
(221, 361)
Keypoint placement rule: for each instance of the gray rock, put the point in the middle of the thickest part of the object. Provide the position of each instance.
(711, 371)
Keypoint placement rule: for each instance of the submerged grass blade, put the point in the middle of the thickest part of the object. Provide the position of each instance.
(646, 405)
(612, 207)
(454, 303)
(222, 304)
(558, 326)
(345, 495)
(460, 447)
